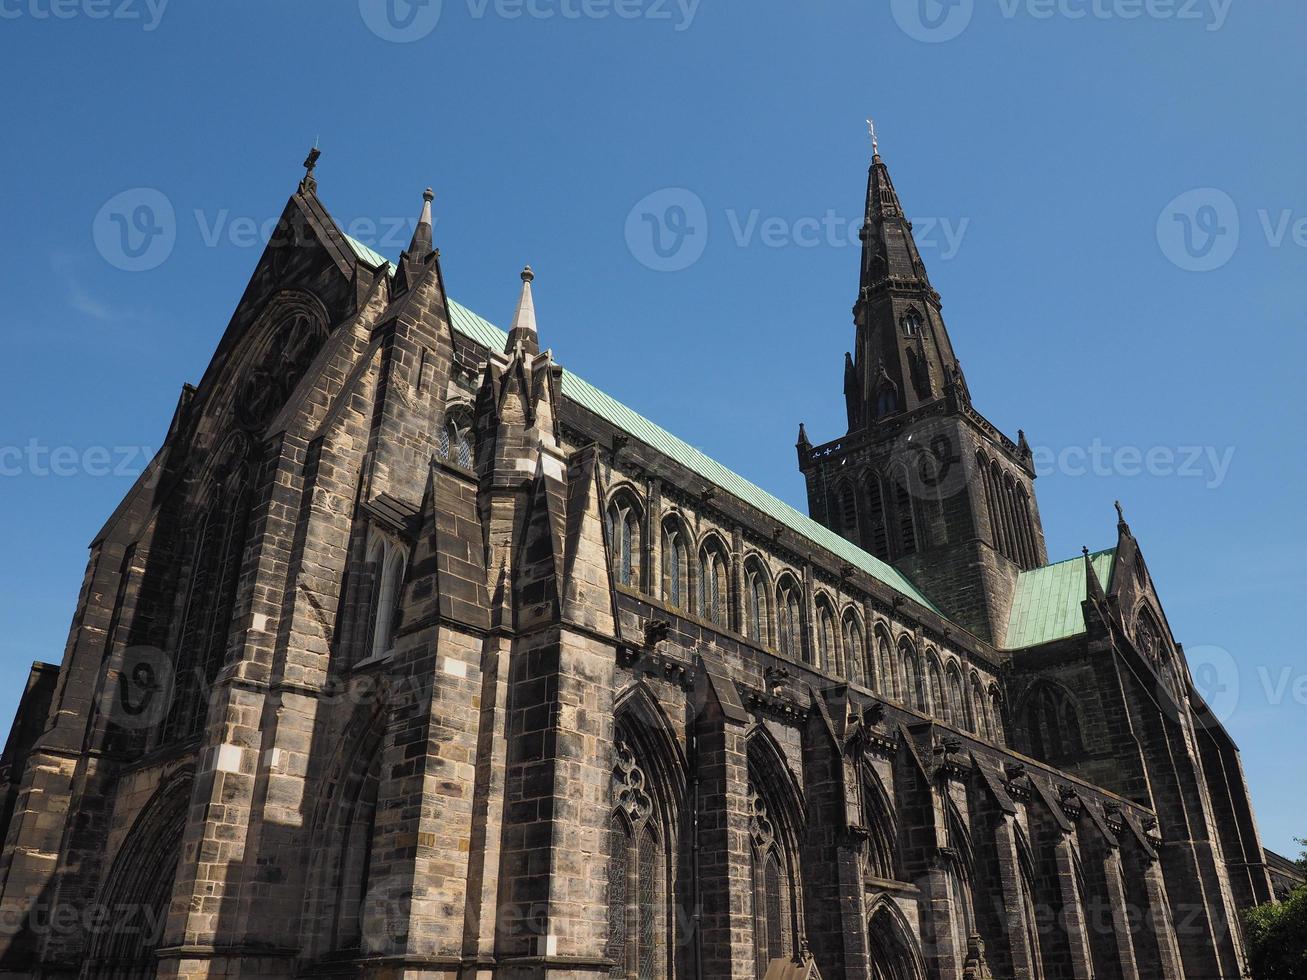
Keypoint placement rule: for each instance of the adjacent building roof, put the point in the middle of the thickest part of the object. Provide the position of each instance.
(480, 330)
(1046, 604)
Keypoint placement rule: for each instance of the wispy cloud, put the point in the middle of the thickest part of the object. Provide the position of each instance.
(70, 268)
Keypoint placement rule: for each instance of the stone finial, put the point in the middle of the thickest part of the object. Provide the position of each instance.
(310, 183)
(528, 275)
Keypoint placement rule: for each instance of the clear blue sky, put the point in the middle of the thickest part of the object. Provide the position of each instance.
(1043, 154)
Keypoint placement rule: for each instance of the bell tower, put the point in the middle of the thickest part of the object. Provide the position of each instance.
(921, 479)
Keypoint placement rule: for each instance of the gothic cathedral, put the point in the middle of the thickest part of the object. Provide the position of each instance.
(414, 655)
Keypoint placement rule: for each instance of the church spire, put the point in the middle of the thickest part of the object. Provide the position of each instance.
(524, 319)
(903, 357)
(421, 244)
(413, 259)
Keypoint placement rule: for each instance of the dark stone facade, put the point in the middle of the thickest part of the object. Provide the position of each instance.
(401, 662)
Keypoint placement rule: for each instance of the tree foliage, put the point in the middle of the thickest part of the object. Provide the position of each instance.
(1276, 937)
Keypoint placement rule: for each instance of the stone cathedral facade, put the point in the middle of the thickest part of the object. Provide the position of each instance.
(413, 655)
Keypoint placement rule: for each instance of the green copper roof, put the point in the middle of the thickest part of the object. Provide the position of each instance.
(637, 426)
(1046, 606)
(374, 259)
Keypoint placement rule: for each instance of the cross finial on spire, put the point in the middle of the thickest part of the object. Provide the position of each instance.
(871, 131)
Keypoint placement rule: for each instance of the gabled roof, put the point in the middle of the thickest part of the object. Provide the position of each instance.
(1046, 604)
(483, 332)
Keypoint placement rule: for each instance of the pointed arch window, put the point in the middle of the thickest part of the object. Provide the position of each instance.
(713, 582)
(914, 695)
(624, 540)
(773, 892)
(848, 504)
(996, 718)
(980, 709)
(907, 525)
(756, 605)
(855, 658)
(676, 565)
(639, 866)
(827, 646)
(1147, 636)
(938, 704)
(877, 525)
(885, 671)
(1052, 724)
(788, 625)
(911, 324)
(217, 552)
(455, 441)
(957, 699)
(386, 563)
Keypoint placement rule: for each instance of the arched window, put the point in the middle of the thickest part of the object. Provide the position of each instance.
(980, 708)
(713, 590)
(774, 832)
(911, 323)
(1026, 889)
(789, 625)
(914, 695)
(895, 951)
(1027, 527)
(1148, 636)
(877, 525)
(847, 499)
(218, 547)
(1052, 724)
(957, 700)
(996, 717)
(676, 565)
(640, 925)
(903, 511)
(828, 657)
(938, 704)
(756, 605)
(138, 888)
(386, 562)
(960, 876)
(855, 658)
(881, 852)
(885, 683)
(624, 540)
(455, 443)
